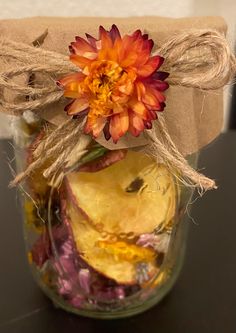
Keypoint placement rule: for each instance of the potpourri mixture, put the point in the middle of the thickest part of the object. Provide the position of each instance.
(99, 239)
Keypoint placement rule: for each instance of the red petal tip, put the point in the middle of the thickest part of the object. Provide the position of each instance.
(71, 49)
(114, 33)
(106, 131)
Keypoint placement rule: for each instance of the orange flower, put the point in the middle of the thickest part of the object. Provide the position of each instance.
(118, 87)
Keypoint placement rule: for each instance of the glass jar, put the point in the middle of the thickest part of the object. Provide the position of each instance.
(109, 241)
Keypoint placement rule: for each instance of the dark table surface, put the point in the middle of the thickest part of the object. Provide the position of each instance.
(203, 299)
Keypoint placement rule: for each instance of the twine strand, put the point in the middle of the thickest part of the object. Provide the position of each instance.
(19, 108)
(50, 139)
(178, 165)
(56, 151)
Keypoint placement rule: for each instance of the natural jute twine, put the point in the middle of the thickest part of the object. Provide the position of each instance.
(197, 58)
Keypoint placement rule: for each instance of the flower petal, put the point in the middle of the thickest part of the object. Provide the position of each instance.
(152, 115)
(71, 78)
(140, 89)
(160, 85)
(69, 93)
(152, 98)
(91, 40)
(136, 125)
(151, 101)
(77, 106)
(80, 61)
(114, 33)
(139, 108)
(119, 124)
(162, 106)
(151, 66)
(160, 75)
(106, 131)
(71, 84)
(128, 54)
(94, 124)
(81, 114)
(81, 46)
(135, 49)
(84, 278)
(104, 36)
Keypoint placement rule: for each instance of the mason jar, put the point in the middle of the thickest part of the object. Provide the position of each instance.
(109, 240)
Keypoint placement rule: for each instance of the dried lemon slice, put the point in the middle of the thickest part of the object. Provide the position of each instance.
(118, 260)
(134, 195)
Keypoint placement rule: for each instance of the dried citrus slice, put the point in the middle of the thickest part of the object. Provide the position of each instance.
(134, 195)
(118, 261)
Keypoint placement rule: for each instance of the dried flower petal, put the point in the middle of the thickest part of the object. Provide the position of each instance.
(84, 279)
(159, 242)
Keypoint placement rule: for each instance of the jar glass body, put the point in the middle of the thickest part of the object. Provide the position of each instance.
(109, 240)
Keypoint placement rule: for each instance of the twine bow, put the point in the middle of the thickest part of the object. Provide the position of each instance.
(197, 58)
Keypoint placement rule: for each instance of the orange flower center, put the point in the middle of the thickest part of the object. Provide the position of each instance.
(106, 82)
(102, 78)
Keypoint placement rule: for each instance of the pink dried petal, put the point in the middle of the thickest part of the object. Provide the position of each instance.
(77, 301)
(146, 240)
(159, 242)
(84, 279)
(120, 293)
(65, 287)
